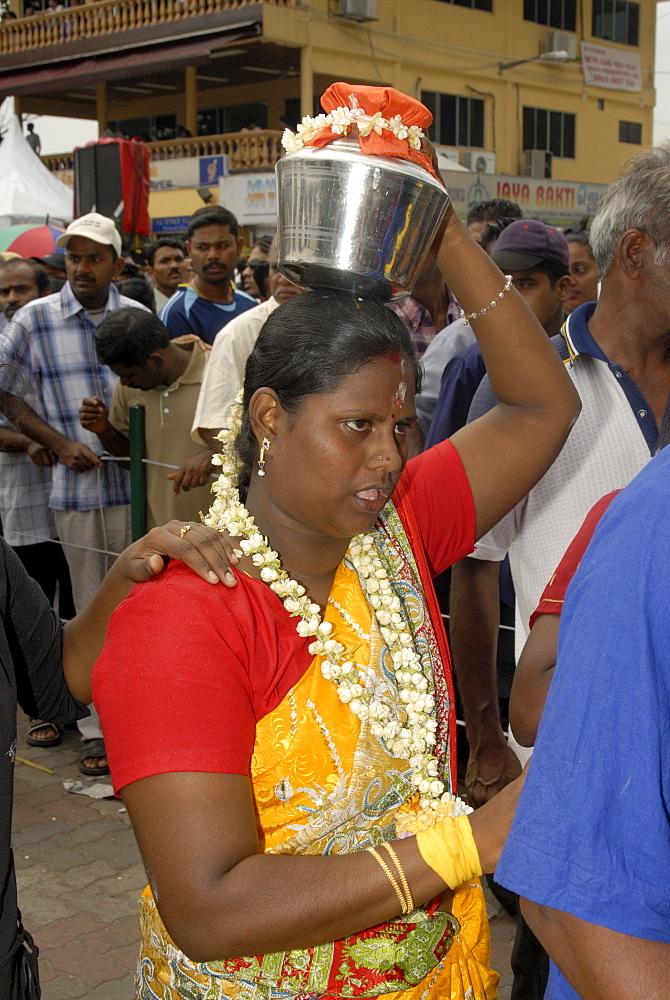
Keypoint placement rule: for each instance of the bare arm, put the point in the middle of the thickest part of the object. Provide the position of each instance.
(76, 456)
(193, 472)
(14, 442)
(219, 898)
(601, 964)
(532, 679)
(206, 551)
(473, 635)
(208, 435)
(507, 451)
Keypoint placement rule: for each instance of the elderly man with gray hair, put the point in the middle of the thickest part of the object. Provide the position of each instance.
(617, 353)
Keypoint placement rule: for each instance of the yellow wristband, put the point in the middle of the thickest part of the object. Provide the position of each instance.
(449, 849)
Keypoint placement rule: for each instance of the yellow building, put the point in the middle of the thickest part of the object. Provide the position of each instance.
(508, 80)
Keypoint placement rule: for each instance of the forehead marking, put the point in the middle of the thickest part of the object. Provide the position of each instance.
(399, 398)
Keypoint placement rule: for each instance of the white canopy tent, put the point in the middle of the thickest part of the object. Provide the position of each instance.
(29, 193)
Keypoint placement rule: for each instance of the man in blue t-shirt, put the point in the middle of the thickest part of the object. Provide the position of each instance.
(209, 301)
(590, 846)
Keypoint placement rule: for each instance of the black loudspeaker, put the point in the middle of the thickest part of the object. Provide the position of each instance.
(97, 180)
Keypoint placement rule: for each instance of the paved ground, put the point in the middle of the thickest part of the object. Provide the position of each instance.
(80, 874)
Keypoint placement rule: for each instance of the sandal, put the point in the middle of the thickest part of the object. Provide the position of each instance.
(93, 748)
(50, 741)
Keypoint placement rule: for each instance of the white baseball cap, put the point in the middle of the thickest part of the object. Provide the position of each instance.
(94, 227)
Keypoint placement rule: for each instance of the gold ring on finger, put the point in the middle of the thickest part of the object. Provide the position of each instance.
(187, 527)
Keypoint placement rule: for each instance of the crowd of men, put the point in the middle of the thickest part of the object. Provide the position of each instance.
(114, 336)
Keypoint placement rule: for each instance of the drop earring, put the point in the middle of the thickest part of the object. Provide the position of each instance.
(261, 460)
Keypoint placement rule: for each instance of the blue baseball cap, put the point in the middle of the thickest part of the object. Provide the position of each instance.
(527, 243)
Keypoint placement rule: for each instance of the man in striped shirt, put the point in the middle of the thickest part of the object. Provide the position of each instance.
(50, 344)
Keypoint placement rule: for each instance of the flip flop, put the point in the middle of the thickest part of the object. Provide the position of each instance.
(52, 741)
(92, 748)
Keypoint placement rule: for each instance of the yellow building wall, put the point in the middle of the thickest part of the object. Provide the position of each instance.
(437, 46)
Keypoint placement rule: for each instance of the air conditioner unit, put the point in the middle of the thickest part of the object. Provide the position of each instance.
(445, 153)
(483, 163)
(358, 10)
(537, 163)
(562, 41)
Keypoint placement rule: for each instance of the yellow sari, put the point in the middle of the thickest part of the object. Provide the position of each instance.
(323, 784)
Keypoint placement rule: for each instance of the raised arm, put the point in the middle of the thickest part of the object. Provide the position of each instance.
(506, 452)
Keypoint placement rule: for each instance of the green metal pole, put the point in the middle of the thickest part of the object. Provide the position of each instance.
(138, 473)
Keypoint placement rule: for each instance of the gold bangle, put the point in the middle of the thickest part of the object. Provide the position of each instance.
(409, 902)
(492, 304)
(390, 876)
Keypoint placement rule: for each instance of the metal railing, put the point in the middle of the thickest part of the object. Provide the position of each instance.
(245, 150)
(106, 17)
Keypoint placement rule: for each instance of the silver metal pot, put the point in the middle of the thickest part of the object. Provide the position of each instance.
(354, 222)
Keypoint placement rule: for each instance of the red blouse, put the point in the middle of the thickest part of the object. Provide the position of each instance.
(188, 667)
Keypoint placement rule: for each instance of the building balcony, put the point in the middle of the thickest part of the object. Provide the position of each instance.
(126, 59)
(244, 151)
(113, 17)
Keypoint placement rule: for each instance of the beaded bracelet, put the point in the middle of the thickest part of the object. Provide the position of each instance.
(492, 304)
(390, 876)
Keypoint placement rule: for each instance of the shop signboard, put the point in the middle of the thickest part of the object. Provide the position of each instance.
(171, 224)
(615, 69)
(252, 197)
(559, 202)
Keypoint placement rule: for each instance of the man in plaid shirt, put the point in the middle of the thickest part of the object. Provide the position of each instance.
(51, 343)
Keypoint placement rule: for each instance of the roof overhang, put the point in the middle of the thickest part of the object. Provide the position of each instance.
(189, 41)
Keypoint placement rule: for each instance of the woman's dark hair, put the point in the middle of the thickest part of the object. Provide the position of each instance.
(310, 345)
(261, 273)
(580, 236)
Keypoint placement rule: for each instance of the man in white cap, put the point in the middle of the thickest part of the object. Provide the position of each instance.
(50, 344)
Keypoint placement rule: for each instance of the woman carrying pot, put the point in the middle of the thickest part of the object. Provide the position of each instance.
(290, 787)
